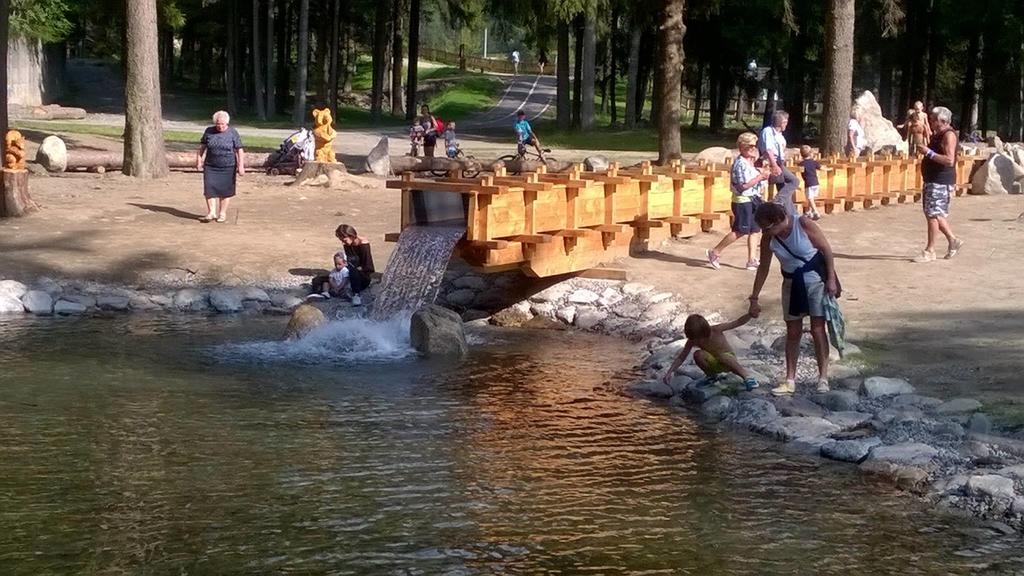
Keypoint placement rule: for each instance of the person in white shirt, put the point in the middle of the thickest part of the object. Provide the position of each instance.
(856, 141)
(515, 60)
(773, 151)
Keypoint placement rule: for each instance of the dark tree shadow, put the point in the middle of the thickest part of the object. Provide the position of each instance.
(842, 256)
(307, 272)
(167, 210)
(691, 262)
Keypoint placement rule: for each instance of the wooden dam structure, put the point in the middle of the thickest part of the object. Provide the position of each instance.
(546, 224)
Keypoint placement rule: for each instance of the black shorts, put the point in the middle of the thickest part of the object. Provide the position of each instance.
(743, 218)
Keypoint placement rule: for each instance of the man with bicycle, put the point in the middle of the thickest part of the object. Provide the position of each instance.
(525, 135)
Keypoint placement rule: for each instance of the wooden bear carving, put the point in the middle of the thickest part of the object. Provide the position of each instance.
(14, 150)
(325, 134)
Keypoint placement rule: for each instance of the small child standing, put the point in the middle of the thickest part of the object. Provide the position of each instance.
(810, 167)
(715, 356)
(451, 145)
(415, 139)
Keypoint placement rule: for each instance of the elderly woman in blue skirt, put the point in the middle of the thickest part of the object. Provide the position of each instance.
(221, 158)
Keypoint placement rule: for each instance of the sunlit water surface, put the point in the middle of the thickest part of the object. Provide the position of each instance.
(203, 446)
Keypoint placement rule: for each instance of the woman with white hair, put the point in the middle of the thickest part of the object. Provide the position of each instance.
(221, 158)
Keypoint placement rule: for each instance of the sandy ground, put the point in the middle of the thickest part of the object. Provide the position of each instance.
(954, 327)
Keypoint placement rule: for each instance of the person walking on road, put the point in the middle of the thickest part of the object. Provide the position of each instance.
(747, 184)
(773, 150)
(515, 61)
(938, 171)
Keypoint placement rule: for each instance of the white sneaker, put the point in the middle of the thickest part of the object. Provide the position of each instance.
(357, 300)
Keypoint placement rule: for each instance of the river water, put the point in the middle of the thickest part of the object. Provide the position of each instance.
(185, 445)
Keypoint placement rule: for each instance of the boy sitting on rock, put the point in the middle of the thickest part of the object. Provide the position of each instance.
(715, 356)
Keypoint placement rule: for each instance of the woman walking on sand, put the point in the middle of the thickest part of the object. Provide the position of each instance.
(221, 159)
(748, 184)
(809, 274)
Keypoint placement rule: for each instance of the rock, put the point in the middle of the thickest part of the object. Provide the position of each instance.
(255, 294)
(305, 318)
(878, 131)
(996, 142)
(907, 453)
(461, 298)
(53, 154)
(848, 420)
(629, 310)
(635, 288)
(86, 300)
(679, 383)
(583, 296)
(907, 477)
(839, 372)
(378, 161)
(948, 430)
(553, 293)
(690, 370)
(979, 423)
(545, 309)
(976, 450)
(113, 303)
(798, 406)
(663, 356)
(991, 486)
(470, 281)
(661, 310)
(37, 302)
(1018, 506)
(878, 386)
(282, 301)
(566, 314)
(754, 413)
(12, 288)
(1014, 472)
(473, 315)
(701, 394)
(596, 163)
(610, 297)
(589, 319)
(998, 175)
(916, 400)
(50, 286)
(67, 308)
(652, 389)
(714, 155)
(11, 305)
(659, 297)
(790, 427)
(142, 302)
(839, 400)
(434, 331)
(543, 323)
(958, 406)
(899, 415)
(849, 450)
(513, 316)
(160, 300)
(189, 299)
(226, 300)
(717, 408)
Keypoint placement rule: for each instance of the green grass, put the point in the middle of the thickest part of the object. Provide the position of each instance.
(466, 96)
(1006, 415)
(643, 139)
(253, 143)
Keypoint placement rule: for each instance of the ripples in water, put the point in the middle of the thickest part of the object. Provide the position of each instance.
(139, 446)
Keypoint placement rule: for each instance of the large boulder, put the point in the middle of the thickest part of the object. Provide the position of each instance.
(10, 305)
(226, 300)
(998, 175)
(38, 302)
(714, 155)
(907, 453)
(378, 161)
(879, 386)
(878, 131)
(12, 288)
(437, 331)
(305, 318)
(53, 154)
(850, 450)
(596, 163)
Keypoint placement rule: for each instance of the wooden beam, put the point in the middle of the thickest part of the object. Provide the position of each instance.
(608, 228)
(392, 236)
(604, 274)
(574, 232)
(529, 238)
(488, 244)
(450, 187)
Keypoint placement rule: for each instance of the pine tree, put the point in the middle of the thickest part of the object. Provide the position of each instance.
(144, 155)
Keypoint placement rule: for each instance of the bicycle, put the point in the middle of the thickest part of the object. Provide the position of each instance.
(461, 156)
(529, 154)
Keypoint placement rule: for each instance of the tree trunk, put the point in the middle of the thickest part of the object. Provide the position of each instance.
(562, 111)
(299, 110)
(885, 83)
(257, 64)
(698, 95)
(284, 34)
(143, 130)
(271, 102)
(589, 67)
(4, 35)
(646, 63)
(397, 56)
(935, 55)
(796, 80)
(577, 75)
(230, 57)
(633, 75)
(838, 75)
(380, 41)
(670, 70)
(321, 67)
(412, 74)
(332, 82)
(613, 71)
(969, 97)
(349, 71)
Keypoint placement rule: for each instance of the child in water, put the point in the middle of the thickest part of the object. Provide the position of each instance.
(451, 145)
(715, 356)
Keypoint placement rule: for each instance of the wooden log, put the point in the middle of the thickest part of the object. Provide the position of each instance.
(314, 169)
(57, 112)
(16, 200)
(56, 160)
(400, 164)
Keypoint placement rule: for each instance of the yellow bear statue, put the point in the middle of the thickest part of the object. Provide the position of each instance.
(325, 134)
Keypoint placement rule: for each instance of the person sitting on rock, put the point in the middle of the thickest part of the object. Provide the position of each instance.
(715, 356)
